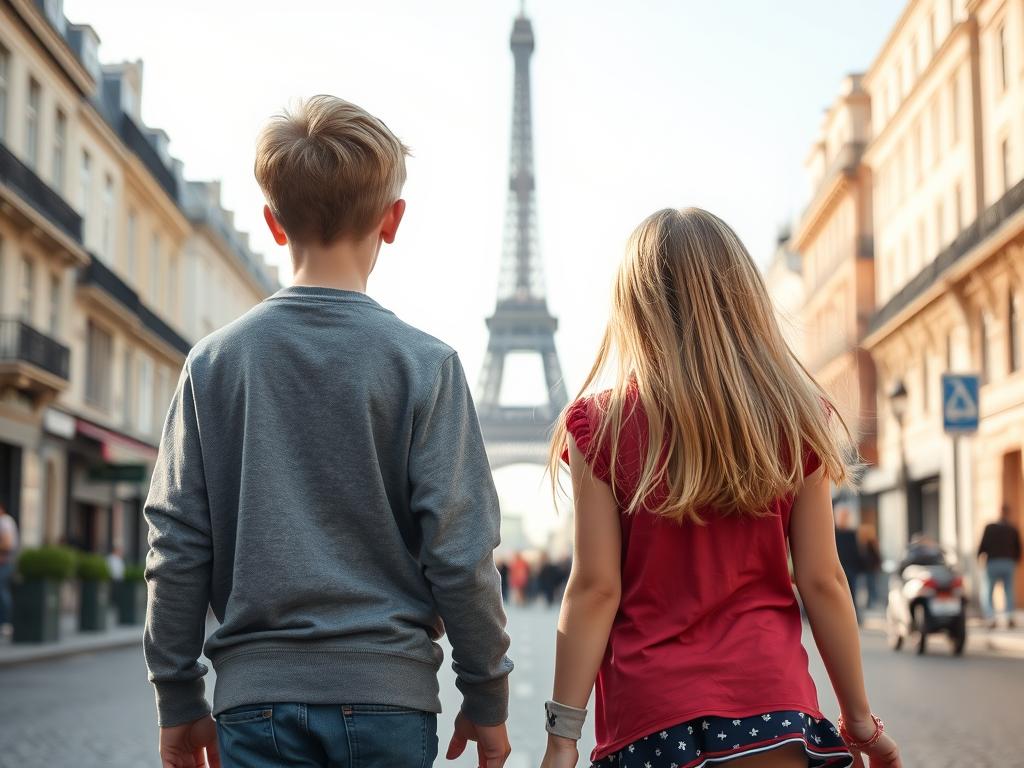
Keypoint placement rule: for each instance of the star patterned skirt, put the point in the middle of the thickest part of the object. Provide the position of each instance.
(708, 741)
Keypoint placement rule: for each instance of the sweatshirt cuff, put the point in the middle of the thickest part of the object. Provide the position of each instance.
(485, 703)
(178, 703)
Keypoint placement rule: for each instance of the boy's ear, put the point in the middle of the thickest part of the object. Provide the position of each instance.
(393, 217)
(275, 226)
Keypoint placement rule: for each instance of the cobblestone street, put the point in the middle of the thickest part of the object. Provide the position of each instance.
(96, 710)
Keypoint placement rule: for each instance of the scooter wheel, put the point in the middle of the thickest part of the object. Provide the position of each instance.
(958, 636)
(921, 621)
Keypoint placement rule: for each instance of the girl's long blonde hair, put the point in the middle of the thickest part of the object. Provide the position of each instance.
(731, 412)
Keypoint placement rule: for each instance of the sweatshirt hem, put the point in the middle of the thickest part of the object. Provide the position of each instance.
(324, 676)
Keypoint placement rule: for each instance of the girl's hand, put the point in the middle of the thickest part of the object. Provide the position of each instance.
(883, 754)
(561, 753)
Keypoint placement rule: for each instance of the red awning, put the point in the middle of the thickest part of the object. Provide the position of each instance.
(116, 448)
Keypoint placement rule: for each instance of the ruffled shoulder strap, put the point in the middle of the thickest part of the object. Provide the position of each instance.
(581, 421)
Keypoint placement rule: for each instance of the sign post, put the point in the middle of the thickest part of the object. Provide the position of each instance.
(960, 413)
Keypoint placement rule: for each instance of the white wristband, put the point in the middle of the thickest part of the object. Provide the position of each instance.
(563, 720)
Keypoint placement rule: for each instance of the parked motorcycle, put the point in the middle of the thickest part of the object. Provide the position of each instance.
(926, 597)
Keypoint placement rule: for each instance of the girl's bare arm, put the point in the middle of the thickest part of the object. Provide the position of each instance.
(592, 595)
(826, 597)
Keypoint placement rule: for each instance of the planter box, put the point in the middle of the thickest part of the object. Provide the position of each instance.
(36, 611)
(94, 612)
(130, 599)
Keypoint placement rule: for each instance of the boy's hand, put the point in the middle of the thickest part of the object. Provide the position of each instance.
(193, 745)
(492, 747)
(561, 753)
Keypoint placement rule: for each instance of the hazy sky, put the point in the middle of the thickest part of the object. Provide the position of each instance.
(637, 106)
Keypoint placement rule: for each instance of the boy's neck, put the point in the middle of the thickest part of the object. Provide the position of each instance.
(343, 265)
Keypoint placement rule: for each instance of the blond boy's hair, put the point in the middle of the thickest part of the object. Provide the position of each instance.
(329, 170)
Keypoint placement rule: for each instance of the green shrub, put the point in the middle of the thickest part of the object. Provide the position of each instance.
(92, 567)
(47, 563)
(134, 573)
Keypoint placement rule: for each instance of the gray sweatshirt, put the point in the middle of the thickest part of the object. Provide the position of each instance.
(322, 484)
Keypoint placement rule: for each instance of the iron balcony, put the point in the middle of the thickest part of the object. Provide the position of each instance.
(24, 182)
(31, 361)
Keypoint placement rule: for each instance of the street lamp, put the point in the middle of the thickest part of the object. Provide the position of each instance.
(898, 403)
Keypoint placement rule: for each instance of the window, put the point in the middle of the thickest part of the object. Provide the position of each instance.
(163, 393)
(26, 305)
(1004, 155)
(54, 305)
(949, 351)
(932, 37)
(128, 393)
(131, 236)
(940, 228)
(172, 286)
(936, 137)
(915, 59)
(955, 108)
(5, 69)
(144, 395)
(952, 13)
(1001, 66)
(32, 123)
(85, 182)
(60, 144)
(918, 151)
(99, 345)
(1015, 340)
(108, 219)
(154, 267)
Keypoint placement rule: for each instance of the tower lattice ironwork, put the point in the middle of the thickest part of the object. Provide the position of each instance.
(521, 321)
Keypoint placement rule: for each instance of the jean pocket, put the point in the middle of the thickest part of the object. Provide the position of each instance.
(245, 736)
(392, 737)
(245, 714)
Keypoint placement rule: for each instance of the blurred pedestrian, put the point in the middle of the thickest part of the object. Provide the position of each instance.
(679, 616)
(336, 531)
(519, 579)
(548, 578)
(8, 556)
(1000, 549)
(849, 553)
(870, 561)
(115, 564)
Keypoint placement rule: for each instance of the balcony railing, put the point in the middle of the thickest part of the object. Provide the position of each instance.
(990, 220)
(39, 194)
(101, 276)
(138, 143)
(20, 342)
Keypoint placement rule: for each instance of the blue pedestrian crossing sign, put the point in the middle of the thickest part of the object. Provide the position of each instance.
(960, 402)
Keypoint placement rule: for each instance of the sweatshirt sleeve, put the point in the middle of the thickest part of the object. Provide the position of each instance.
(453, 497)
(178, 565)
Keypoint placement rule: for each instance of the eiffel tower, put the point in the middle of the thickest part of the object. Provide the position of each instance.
(521, 321)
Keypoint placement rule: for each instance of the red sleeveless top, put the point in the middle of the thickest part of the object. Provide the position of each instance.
(708, 623)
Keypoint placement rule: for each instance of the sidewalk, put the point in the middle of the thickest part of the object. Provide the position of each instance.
(72, 642)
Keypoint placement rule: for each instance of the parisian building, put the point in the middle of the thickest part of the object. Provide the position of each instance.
(913, 256)
(111, 266)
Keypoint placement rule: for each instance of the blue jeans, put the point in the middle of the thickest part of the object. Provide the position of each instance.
(998, 569)
(326, 736)
(6, 604)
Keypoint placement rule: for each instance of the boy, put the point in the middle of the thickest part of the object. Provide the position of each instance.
(322, 484)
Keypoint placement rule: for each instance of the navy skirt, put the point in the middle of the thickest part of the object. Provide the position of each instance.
(718, 740)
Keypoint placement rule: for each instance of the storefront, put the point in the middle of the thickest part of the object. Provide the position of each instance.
(108, 477)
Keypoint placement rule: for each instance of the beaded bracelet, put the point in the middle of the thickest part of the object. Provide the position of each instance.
(860, 746)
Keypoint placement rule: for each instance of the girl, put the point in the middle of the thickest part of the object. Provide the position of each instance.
(711, 452)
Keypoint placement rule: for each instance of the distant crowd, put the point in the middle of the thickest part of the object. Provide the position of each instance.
(529, 576)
